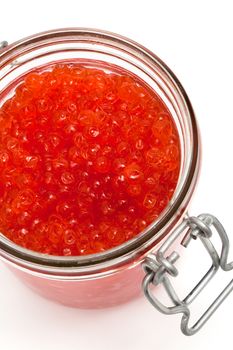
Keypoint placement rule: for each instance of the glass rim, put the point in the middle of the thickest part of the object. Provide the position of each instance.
(154, 230)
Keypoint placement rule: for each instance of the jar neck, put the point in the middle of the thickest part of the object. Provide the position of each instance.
(31, 52)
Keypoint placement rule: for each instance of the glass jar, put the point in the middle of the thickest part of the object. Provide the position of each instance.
(115, 276)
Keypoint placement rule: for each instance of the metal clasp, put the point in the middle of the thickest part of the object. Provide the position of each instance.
(159, 267)
(3, 44)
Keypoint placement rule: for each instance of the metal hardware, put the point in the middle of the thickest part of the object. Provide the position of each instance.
(3, 44)
(158, 267)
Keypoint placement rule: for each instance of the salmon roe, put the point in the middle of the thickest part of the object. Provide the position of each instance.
(89, 156)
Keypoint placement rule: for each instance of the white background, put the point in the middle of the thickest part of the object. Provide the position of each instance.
(195, 39)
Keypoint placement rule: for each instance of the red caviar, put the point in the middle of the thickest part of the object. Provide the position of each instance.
(88, 158)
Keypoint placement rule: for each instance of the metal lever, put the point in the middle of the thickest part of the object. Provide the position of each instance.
(158, 268)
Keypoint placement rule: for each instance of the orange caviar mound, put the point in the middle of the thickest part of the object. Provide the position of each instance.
(88, 158)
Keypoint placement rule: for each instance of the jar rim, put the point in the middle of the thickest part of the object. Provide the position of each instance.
(129, 249)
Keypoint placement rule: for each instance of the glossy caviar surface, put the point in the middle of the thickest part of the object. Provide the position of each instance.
(88, 158)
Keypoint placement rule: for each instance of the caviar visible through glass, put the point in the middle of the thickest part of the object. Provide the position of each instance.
(89, 156)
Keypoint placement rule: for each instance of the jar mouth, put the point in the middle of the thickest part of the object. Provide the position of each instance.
(188, 177)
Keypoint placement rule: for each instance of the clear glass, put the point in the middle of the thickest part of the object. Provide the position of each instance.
(113, 276)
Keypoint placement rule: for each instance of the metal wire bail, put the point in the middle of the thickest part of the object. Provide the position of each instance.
(3, 44)
(159, 267)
